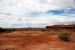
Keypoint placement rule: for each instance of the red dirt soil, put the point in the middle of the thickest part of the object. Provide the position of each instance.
(33, 40)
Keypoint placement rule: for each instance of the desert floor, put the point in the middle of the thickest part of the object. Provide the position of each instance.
(34, 40)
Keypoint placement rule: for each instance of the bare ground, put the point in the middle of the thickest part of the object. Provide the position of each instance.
(33, 40)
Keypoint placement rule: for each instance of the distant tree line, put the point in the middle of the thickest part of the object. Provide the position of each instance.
(6, 30)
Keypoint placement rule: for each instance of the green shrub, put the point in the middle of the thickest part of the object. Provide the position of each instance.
(42, 29)
(64, 36)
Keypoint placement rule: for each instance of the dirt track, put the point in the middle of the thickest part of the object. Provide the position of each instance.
(33, 40)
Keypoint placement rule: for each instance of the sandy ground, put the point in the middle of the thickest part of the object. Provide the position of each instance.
(33, 40)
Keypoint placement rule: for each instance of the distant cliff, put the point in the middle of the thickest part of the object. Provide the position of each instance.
(61, 27)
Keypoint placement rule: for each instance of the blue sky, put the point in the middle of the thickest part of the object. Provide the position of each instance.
(36, 13)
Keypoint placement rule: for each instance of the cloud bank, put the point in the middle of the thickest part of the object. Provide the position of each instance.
(36, 13)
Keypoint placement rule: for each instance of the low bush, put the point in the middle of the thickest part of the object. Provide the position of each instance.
(64, 36)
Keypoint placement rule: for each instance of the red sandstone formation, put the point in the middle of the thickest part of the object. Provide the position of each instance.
(61, 27)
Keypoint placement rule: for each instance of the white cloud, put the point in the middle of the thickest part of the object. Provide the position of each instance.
(24, 6)
(41, 21)
(20, 10)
